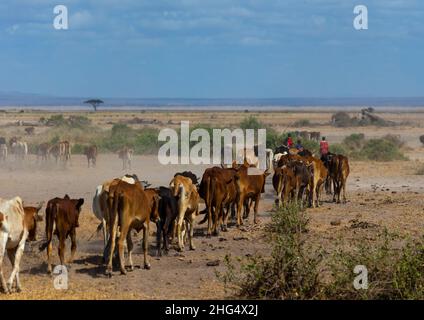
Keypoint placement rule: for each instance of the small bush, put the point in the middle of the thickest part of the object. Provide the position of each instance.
(339, 148)
(355, 141)
(289, 273)
(78, 148)
(381, 150)
(393, 273)
(302, 123)
(251, 122)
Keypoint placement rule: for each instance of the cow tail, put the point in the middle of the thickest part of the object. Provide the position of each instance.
(51, 212)
(208, 198)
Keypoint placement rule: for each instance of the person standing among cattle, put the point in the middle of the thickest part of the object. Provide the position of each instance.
(289, 141)
(323, 148)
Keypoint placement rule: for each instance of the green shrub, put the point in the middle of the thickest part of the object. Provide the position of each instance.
(381, 150)
(393, 273)
(251, 122)
(339, 148)
(289, 273)
(142, 141)
(354, 142)
(78, 148)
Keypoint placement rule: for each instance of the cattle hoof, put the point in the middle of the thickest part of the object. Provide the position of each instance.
(193, 248)
(147, 266)
(123, 272)
(256, 221)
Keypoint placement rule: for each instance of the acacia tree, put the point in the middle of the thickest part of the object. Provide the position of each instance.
(94, 103)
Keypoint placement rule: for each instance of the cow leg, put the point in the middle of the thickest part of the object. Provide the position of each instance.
(159, 231)
(61, 249)
(179, 228)
(3, 242)
(130, 247)
(105, 240)
(334, 190)
(191, 224)
(146, 244)
(209, 213)
(344, 190)
(124, 233)
(240, 206)
(112, 241)
(73, 245)
(216, 218)
(17, 255)
(11, 256)
(255, 217)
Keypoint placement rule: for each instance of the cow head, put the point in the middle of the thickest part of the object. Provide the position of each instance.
(31, 220)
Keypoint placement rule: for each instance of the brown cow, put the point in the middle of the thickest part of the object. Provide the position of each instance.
(62, 214)
(64, 151)
(130, 207)
(339, 171)
(91, 154)
(43, 151)
(125, 155)
(188, 207)
(249, 186)
(31, 220)
(319, 176)
(219, 191)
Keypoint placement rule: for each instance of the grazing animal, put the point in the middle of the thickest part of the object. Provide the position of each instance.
(190, 175)
(43, 151)
(64, 151)
(16, 226)
(315, 135)
(339, 171)
(18, 148)
(320, 173)
(54, 151)
(130, 207)
(188, 207)
(125, 155)
(249, 186)
(168, 212)
(61, 215)
(91, 154)
(219, 191)
(100, 205)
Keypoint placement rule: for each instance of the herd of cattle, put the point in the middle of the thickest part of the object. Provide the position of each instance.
(125, 204)
(60, 152)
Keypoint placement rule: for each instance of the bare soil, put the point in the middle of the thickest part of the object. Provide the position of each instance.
(381, 195)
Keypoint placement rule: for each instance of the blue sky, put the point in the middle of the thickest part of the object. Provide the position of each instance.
(213, 48)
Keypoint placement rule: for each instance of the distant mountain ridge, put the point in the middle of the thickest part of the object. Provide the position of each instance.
(22, 100)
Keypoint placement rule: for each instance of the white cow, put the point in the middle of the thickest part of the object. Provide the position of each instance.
(277, 158)
(13, 234)
(19, 149)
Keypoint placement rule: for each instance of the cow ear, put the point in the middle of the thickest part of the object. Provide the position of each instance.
(80, 203)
